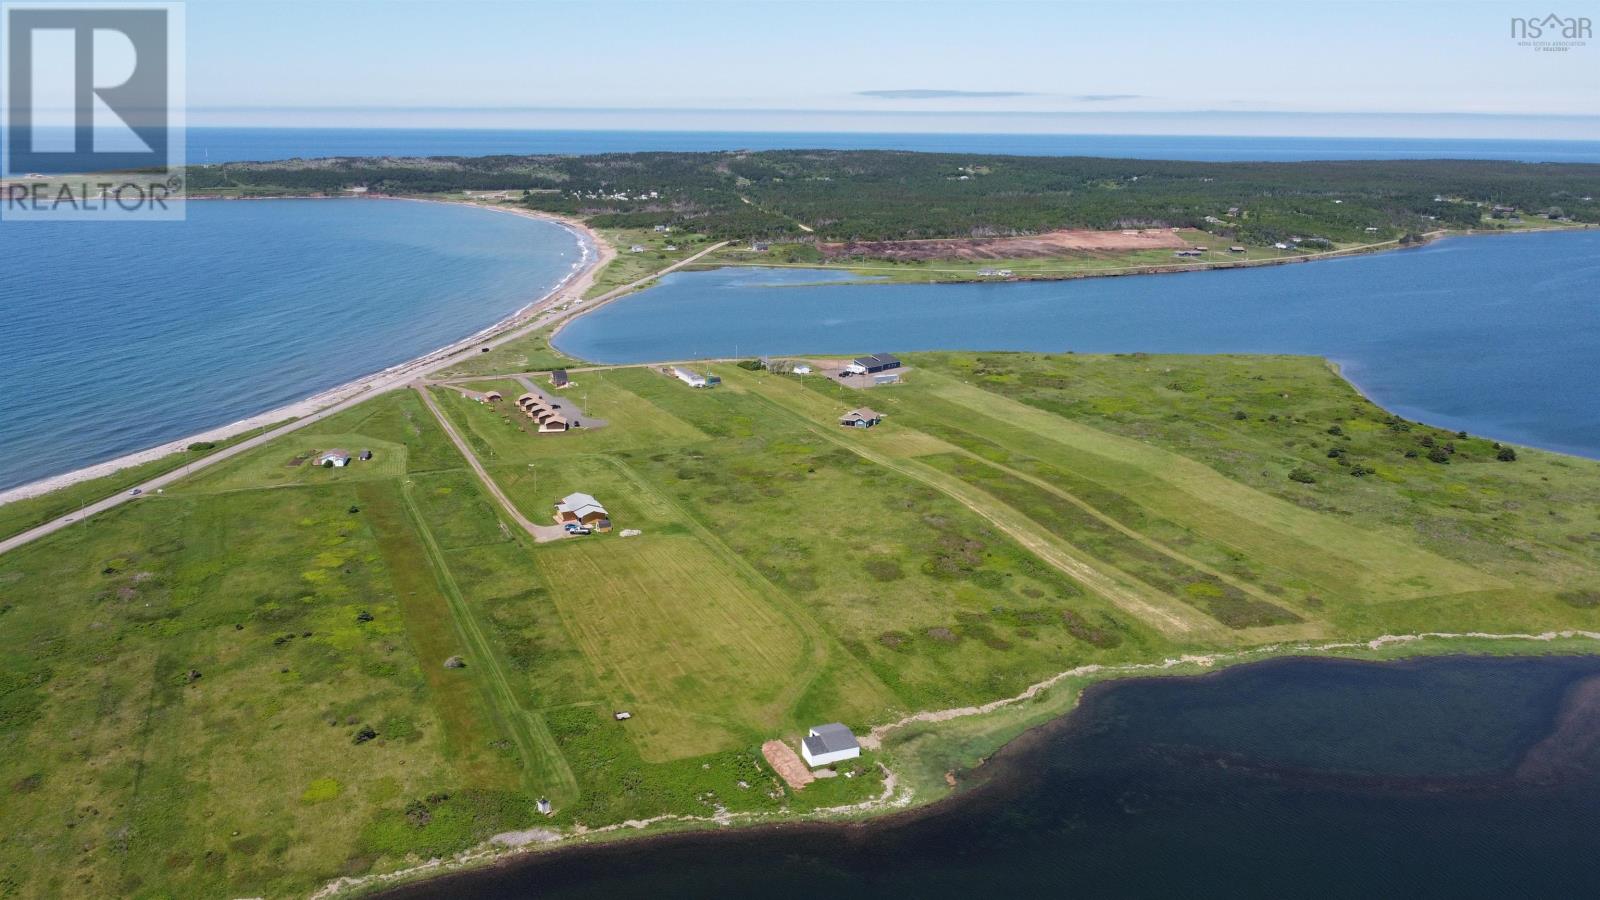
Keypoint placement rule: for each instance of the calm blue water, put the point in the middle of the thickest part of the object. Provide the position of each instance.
(1498, 335)
(234, 144)
(1440, 778)
(120, 336)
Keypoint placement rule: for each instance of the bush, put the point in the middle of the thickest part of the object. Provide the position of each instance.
(1439, 455)
(1302, 476)
(1506, 454)
(201, 446)
(365, 734)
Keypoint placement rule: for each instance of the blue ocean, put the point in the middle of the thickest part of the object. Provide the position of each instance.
(127, 335)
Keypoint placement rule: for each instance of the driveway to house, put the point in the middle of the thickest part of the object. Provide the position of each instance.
(542, 534)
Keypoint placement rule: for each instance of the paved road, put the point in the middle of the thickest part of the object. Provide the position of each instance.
(537, 320)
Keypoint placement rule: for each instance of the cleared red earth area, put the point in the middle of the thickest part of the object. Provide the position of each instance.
(1050, 243)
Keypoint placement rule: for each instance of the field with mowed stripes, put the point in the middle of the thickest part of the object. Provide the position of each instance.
(272, 675)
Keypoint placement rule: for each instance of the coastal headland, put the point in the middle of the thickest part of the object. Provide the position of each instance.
(287, 671)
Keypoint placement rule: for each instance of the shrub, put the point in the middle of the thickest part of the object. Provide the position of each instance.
(1439, 455)
(320, 790)
(1302, 476)
(201, 446)
(365, 734)
(1506, 454)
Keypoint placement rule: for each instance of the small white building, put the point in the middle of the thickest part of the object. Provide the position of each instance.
(801, 369)
(827, 744)
(335, 458)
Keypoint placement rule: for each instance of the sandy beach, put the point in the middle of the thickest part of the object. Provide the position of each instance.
(595, 253)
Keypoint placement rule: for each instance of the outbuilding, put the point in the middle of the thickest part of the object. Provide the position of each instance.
(558, 378)
(878, 362)
(828, 744)
(690, 377)
(337, 459)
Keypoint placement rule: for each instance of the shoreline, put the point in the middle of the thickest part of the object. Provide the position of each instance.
(900, 803)
(868, 275)
(594, 253)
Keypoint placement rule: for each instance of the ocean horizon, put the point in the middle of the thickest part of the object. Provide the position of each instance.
(237, 144)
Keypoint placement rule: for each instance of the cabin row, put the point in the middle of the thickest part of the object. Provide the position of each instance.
(546, 412)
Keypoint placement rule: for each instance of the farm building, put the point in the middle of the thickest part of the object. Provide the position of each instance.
(336, 458)
(583, 509)
(827, 744)
(861, 418)
(693, 378)
(878, 362)
(558, 378)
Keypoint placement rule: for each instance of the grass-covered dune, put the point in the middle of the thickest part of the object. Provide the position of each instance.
(239, 687)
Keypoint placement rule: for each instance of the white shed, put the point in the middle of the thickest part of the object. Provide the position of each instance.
(828, 744)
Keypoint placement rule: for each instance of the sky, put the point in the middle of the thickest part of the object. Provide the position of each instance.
(1329, 67)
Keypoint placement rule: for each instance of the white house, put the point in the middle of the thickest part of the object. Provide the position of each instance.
(336, 458)
(801, 369)
(828, 744)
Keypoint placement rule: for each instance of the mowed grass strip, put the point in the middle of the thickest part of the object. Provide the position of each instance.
(464, 709)
(1221, 599)
(676, 636)
(1388, 566)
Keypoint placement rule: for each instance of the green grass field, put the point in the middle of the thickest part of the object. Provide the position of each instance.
(239, 687)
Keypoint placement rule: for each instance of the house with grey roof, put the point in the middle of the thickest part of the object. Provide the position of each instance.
(865, 417)
(828, 744)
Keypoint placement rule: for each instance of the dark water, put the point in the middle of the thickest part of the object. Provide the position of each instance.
(234, 144)
(1450, 777)
(1498, 335)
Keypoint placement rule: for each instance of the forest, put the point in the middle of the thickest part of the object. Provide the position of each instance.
(889, 195)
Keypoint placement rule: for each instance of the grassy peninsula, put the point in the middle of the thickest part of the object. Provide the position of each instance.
(240, 687)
